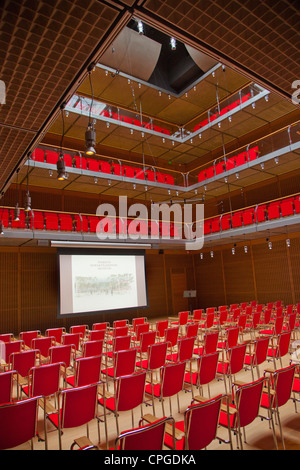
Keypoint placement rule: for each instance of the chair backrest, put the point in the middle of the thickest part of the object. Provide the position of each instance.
(172, 378)
(6, 337)
(120, 331)
(232, 336)
(185, 348)
(149, 437)
(209, 321)
(120, 323)
(78, 405)
(138, 321)
(23, 361)
(87, 370)
(191, 330)
(92, 348)
(45, 380)
(61, 353)
(183, 317)
(56, 332)
(142, 328)
(248, 399)
(255, 319)
(71, 338)
(43, 344)
(124, 362)
(236, 357)
(278, 325)
(261, 346)
(210, 310)
(201, 423)
(223, 317)
(283, 344)
(28, 336)
(282, 383)
(96, 335)
(146, 340)
(242, 322)
(157, 353)
(171, 335)
(20, 420)
(6, 386)
(235, 314)
(161, 326)
(197, 314)
(130, 391)
(81, 329)
(100, 326)
(292, 321)
(267, 316)
(7, 349)
(210, 342)
(207, 368)
(121, 343)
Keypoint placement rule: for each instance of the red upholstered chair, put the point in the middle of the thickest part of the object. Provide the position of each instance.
(51, 157)
(51, 221)
(104, 167)
(236, 219)
(287, 207)
(93, 165)
(257, 354)
(280, 347)
(81, 329)
(20, 420)
(28, 336)
(274, 210)
(80, 162)
(261, 213)
(74, 339)
(77, 407)
(206, 372)
(225, 221)
(124, 363)
(148, 437)
(87, 371)
(38, 155)
(249, 217)
(9, 348)
(281, 384)
(160, 327)
(22, 362)
(37, 221)
(92, 348)
(62, 354)
(232, 363)
(230, 339)
(215, 224)
(4, 217)
(139, 174)
(100, 326)
(200, 425)
(6, 337)
(156, 357)
(170, 384)
(56, 332)
(128, 171)
(65, 222)
(129, 394)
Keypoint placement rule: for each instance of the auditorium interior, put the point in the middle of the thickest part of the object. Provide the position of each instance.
(178, 104)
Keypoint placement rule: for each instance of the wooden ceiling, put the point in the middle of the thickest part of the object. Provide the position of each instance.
(47, 48)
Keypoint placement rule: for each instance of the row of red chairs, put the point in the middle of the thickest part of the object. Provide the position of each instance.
(223, 111)
(229, 164)
(91, 164)
(261, 213)
(135, 122)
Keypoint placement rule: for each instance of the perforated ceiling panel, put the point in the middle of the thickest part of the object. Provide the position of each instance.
(44, 45)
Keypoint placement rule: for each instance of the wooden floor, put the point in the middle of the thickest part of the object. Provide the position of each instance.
(258, 434)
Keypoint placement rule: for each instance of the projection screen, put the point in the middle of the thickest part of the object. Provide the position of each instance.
(91, 282)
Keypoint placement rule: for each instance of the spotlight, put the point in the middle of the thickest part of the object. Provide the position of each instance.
(219, 124)
(173, 44)
(245, 249)
(1, 229)
(95, 180)
(16, 213)
(27, 205)
(230, 119)
(233, 250)
(288, 242)
(200, 136)
(211, 254)
(134, 186)
(276, 160)
(61, 169)
(253, 105)
(237, 176)
(270, 245)
(140, 27)
(90, 140)
(201, 255)
(267, 98)
(262, 165)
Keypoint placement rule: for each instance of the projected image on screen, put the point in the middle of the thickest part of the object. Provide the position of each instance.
(91, 283)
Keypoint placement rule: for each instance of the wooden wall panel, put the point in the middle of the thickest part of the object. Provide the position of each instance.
(294, 255)
(209, 280)
(9, 291)
(238, 274)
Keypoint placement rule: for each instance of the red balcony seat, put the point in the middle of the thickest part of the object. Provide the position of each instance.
(210, 173)
(106, 225)
(51, 221)
(197, 127)
(80, 162)
(116, 169)
(153, 228)
(164, 229)
(207, 227)
(157, 128)
(166, 131)
(241, 158)
(128, 171)
(104, 167)
(204, 123)
(215, 224)
(224, 111)
(93, 164)
(148, 125)
(230, 163)
(169, 179)
(253, 154)
(51, 157)
(226, 222)
(115, 116)
(174, 231)
(160, 177)
(4, 217)
(37, 221)
(139, 174)
(65, 222)
(219, 167)
(81, 223)
(136, 122)
(274, 210)
(236, 219)
(38, 155)
(249, 217)
(68, 159)
(93, 222)
(104, 113)
(126, 119)
(150, 175)
(121, 226)
(287, 207)
(246, 97)
(213, 117)
(261, 212)
(202, 176)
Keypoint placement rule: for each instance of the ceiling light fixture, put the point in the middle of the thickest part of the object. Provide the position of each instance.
(1, 228)
(288, 242)
(27, 205)
(61, 168)
(173, 44)
(211, 254)
(16, 209)
(140, 27)
(245, 249)
(90, 134)
(201, 255)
